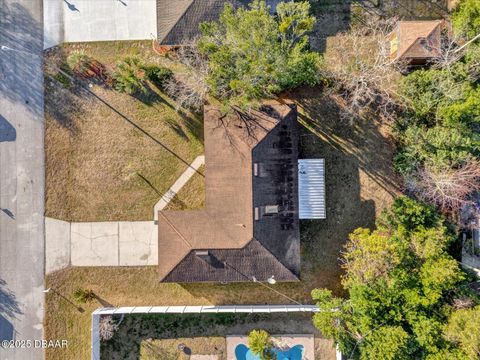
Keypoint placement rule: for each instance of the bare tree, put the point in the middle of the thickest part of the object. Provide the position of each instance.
(363, 69)
(189, 87)
(449, 189)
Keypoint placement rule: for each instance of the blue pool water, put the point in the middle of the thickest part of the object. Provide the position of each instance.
(242, 352)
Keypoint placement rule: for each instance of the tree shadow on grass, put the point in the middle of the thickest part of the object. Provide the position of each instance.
(153, 96)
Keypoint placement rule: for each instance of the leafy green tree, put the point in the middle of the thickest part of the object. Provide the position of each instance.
(425, 90)
(464, 328)
(439, 148)
(400, 280)
(466, 18)
(253, 54)
(466, 111)
(386, 342)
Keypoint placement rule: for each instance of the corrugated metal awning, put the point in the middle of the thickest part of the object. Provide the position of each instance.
(311, 188)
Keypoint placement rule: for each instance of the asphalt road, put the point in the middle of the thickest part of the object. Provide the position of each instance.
(21, 178)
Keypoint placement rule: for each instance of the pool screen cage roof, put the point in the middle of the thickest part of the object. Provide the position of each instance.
(311, 188)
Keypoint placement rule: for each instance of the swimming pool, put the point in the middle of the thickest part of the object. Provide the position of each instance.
(242, 352)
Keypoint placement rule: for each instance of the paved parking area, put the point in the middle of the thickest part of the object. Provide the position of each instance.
(112, 243)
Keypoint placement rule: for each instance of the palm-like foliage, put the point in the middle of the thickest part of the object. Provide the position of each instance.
(260, 344)
(129, 76)
(78, 61)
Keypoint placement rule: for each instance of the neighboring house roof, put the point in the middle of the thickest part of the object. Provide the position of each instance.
(247, 168)
(178, 20)
(416, 40)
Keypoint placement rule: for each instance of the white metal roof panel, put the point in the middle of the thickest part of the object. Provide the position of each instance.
(311, 188)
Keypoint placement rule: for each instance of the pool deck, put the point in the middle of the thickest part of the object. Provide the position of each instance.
(282, 341)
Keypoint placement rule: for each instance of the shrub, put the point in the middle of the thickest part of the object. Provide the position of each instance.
(78, 61)
(107, 327)
(158, 75)
(130, 75)
(83, 295)
(260, 343)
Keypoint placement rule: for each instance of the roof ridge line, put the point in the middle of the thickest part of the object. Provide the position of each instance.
(278, 261)
(413, 43)
(176, 230)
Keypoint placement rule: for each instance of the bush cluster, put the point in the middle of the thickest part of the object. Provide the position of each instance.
(131, 75)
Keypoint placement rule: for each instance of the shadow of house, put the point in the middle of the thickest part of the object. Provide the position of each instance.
(7, 131)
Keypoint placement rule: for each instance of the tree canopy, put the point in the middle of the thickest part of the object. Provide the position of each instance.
(402, 285)
(466, 18)
(253, 54)
(439, 143)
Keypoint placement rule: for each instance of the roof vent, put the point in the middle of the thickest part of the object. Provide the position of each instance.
(271, 209)
(204, 255)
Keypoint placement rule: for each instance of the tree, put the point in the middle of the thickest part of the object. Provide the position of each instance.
(260, 344)
(466, 18)
(362, 71)
(189, 87)
(254, 55)
(449, 189)
(400, 280)
(463, 328)
(439, 148)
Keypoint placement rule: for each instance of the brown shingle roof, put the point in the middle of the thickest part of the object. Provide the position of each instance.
(232, 193)
(416, 39)
(178, 20)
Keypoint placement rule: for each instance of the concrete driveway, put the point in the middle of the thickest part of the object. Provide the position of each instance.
(21, 176)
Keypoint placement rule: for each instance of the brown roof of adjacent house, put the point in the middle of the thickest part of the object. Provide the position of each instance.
(416, 39)
(178, 20)
(251, 163)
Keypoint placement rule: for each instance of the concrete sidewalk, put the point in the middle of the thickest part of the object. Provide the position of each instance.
(113, 243)
(178, 185)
